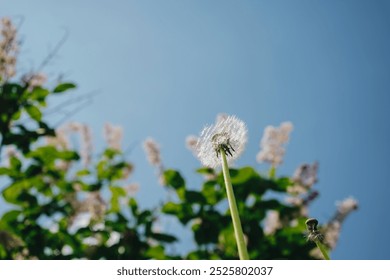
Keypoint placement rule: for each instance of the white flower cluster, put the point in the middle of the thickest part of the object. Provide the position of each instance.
(229, 134)
(9, 49)
(306, 175)
(61, 140)
(347, 206)
(113, 135)
(272, 222)
(333, 228)
(272, 143)
(33, 80)
(332, 234)
(152, 151)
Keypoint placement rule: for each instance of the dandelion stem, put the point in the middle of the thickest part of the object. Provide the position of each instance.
(242, 251)
(323, 250)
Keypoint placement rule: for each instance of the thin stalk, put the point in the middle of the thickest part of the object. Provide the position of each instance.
(242, 251)
(323, 250)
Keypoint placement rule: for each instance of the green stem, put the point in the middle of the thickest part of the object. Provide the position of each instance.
(272, 172)
(242, 251)
(323, 250)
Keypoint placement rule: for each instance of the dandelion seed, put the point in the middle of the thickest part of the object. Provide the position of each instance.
(272, 143)
(227, 134)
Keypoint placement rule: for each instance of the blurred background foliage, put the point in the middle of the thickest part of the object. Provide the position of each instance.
(67, 204)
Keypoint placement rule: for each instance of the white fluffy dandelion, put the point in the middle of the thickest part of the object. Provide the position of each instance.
(217, 145)
(229, 134)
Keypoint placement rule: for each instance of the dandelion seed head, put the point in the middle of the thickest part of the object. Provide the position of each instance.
(228, 133)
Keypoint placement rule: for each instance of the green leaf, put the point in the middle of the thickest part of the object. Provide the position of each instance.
(183, 211)
(9, 218)
(63, 87)
(48, 154)
(171, 208)
(283, 183)
(174, 179)
(156, 252)
(116, 193)
(211, 193)
(3, 252)
(205, 170)
(245, 181)
(4, 171)
(15, 163)
(34, 112)
(133, 206)
(13, 192)
(39, 94)
(194, 197)
(17, 115)
(163, 237)
(111, 153)
(227, 240)
(83, 172)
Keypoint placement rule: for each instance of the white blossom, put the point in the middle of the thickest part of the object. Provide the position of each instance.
(152, 150)
(34, 80)
(114, 238)
(229, 134)
(347, 206)
(86, 145)
(9, 48)
(113, 135)
(306, 175)
(332, 234)
(272, 143)
(272, 222)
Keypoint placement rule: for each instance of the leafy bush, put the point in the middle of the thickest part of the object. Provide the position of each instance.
(65, 206)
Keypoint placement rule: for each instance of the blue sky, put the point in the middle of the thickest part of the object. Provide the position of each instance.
(166, 68)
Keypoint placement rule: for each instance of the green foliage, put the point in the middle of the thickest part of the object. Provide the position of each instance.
(48, 183)
(207, 211)
(63, 209)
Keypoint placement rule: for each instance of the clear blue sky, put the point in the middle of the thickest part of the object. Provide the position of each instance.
(166, 68)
